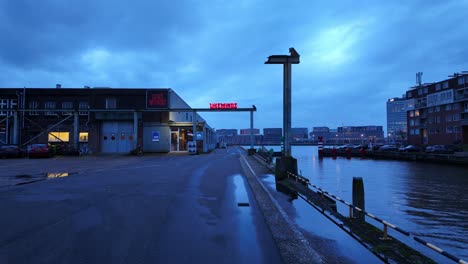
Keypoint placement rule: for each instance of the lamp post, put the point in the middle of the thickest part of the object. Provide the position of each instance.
(286, 60)
(286, 164)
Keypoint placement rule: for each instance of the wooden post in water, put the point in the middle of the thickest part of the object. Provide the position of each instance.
(358, 197)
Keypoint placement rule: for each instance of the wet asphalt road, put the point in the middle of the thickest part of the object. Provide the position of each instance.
(152, 209)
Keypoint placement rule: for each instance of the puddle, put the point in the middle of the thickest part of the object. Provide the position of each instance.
(249, 246)
(53, 175)
(23, 176)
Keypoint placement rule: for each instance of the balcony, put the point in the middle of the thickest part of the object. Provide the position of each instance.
(420, 105)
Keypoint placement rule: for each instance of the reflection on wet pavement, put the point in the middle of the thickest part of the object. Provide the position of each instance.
(249, 247)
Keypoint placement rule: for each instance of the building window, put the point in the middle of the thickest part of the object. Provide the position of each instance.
(431, 131)
(81, 106)
(411, 131)
(461, 80)
(437, 109)
(445, 85)
(111, 103)
(59, 136)
(67, 106)
(437, 119)
(448, 118)
(430, 120)
(409, 94)
(411, 113)
(411, 123)
(449, 130)
(430, 110)
(7, 104)
(33, 105)
(456, 129)
(416, 131)
(455, 106)
(448, 107)
(456, 117)
(416, 122)
(49, 105)
(438, 86)
(83, 137)
(416, 113)
(425, 90)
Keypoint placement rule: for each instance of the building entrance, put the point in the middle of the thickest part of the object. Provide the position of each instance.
(180, 136)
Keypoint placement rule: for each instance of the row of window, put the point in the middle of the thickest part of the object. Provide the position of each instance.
(447, 107)
(436, 131)
(436, 119)
(53, 105)
(65, 137)
(438, 86)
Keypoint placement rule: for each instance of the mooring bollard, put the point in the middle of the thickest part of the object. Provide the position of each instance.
(358, 197)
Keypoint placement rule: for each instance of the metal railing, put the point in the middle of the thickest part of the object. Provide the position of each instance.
(386, 224)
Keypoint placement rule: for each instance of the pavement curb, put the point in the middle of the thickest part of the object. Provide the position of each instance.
(292, 245)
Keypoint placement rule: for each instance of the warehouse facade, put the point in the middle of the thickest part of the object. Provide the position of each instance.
(102, 120)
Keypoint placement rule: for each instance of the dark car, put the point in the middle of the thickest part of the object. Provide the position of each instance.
(388, 148)
(39, 151)
(439, 149)
(411, 148)
(10, 151)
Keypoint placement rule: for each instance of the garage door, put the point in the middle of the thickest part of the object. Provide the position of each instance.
(117, 137)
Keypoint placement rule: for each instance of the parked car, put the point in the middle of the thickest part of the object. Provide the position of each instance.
(388, 148)
(411, 148)
(376, 146)
(11, 151)
(346, 146)
(439, 149)
(39, 151)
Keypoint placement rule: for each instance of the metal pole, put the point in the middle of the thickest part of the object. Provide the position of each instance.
(135, 129)
(251, 130)
(195, 131)
(76, 137)
(15, 127)
(287, 108)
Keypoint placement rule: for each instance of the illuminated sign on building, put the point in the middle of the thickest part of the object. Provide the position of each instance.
(157, 99)
(223, 105)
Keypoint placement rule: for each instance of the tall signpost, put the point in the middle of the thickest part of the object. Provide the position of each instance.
(287, 163)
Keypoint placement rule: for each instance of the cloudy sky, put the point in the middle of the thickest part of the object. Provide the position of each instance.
(354, 54)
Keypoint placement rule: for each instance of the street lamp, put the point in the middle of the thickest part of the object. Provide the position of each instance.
(286, 60)
(362, 139)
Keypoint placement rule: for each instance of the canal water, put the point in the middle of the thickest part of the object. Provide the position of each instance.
(428, 200)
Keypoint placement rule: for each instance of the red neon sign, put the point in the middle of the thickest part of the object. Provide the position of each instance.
(223, 105)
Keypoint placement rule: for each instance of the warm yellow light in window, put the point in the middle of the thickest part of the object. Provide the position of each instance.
(83, 136)
(59, 136)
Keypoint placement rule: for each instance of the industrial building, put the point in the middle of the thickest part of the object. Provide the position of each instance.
(102, 120)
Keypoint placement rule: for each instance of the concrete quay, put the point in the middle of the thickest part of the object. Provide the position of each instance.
(164, 208)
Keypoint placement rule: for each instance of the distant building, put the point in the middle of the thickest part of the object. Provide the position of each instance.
(246, 131)
(299, 134)
(317, 132)
(226, 132)
(359, 134)
(272, 135)
(230, 136)
(396, 118)
(441, 112)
